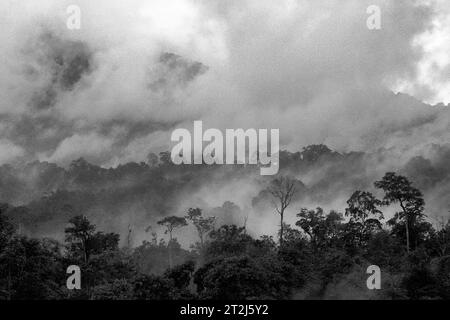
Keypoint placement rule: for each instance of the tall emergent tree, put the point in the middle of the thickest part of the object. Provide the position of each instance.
(282, 190)
(202, 224)
(398, 189)
(171, 223)
(79, 234)
(84, 241)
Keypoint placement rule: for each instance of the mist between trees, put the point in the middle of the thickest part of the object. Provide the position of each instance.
(323, 256)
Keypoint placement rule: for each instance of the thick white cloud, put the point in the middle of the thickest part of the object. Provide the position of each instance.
(432, 83)
(310, 68)
(90, 146)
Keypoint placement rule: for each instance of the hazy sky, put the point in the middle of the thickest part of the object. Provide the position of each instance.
(310, 68)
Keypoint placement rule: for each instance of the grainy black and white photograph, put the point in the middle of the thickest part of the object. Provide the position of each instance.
(224, 150)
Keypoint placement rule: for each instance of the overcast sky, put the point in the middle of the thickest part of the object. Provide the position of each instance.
(310, 68)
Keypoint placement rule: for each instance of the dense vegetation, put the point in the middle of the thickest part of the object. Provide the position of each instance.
(325, 255)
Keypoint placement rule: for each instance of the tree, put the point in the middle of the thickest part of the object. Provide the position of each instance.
(151, 287)
(152, 160)
(441, 239)
(171, 223)
(83, 239)
(101, 242)
(232, 278)
(31, 269)
(165, 158)
(181, 275)
(362, 205)
(398, 189)
(314, 152)
(6, 228)
(202, 224)
(227, 241)
(79, 234)
(282, 190)
(364, 216)
(117, 289)
(154, 240)
(322, 230)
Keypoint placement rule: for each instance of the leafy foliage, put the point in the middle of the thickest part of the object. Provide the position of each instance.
(322, 256)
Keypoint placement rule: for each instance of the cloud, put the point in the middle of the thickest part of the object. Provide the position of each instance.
(9, 152)
(137, 70)
(90, 146)
(432, 83)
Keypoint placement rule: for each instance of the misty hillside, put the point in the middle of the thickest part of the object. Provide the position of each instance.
(93, 95)
(43, 196)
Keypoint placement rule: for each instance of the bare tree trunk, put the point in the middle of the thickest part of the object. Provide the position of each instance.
(245, 224)
(407, 234)
(85, 252)
(282, 190)
(407, 225)
(129, 236)
(170, 251)
(281, 228)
